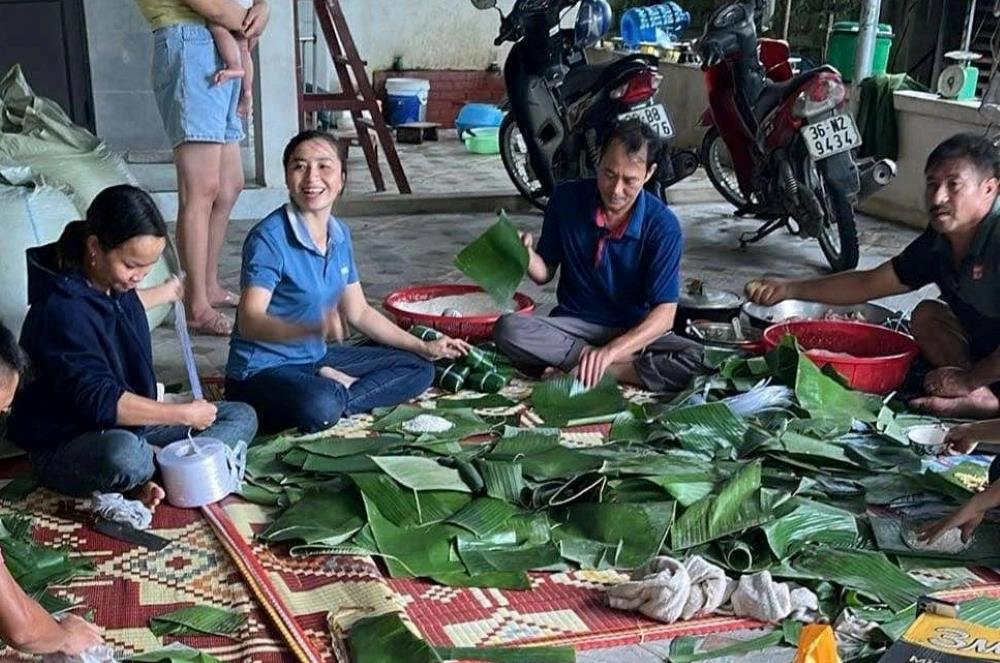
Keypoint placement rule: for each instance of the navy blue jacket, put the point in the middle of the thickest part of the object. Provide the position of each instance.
(86, 348)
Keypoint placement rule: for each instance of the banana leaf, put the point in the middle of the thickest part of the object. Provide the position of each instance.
(632, 490)
(636, 531)
(686, 487)
(197, 619)
(320, 517)
(483, 515)
(813, 449)
(386, 639)
(35, 567)
(499, 580)
(264, 460)
(825, 398)
(870, 573)
(478, 403)
(496, 261)
(983, 551)
(414, 551)
(18, 488)
(662, 462)
(560, 462)
(632, 425)
(557, 402)
(739, 505)
(418, 473)
(466, 423)
(504, 479)
(517, 442)
(809, 522)
(406, 508)
(340, 447)
(743, 556)
(174, 653)
(259, 494)
(503, 554)
(682, 650)
(706, 428)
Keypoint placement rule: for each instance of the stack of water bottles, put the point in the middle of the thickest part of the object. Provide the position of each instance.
(658, 24)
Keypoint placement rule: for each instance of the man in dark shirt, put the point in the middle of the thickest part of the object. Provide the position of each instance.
(618, 250)
(958, 334)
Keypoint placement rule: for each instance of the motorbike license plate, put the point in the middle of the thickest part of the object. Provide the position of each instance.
(831, 136)
(655, 116)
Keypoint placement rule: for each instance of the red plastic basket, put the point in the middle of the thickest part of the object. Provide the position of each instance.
(880, 357)
(470, 328)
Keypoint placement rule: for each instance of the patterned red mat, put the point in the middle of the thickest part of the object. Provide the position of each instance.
(132, 584)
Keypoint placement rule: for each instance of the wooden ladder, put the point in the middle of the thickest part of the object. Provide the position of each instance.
(357, 94)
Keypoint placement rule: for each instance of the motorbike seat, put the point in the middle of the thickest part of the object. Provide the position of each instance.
(588, 77)
(774, 93)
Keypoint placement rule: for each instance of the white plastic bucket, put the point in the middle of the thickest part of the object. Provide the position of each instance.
(405, 95)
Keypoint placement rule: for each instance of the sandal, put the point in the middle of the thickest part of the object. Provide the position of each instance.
(231, 300)
(217, 325)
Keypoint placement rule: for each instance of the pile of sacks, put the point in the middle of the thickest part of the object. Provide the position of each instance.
(668, 590)
(50, 171)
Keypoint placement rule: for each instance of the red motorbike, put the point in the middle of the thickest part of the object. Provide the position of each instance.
(779, 144)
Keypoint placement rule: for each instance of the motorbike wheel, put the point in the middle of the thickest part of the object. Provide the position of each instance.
(719, 167)
(514, 154)
(839, 236)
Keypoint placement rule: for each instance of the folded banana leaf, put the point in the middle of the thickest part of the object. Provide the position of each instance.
(386, 639)
(488, 401)
(707, 428)
(807, 521)
(320, 517)
(558, 402)
(496, 261)
(465, 422)
(745, 554)
(418, 473)
(519, 442)
(825, 398)
(632, 425)
(870, 573)
(499, 580)
(193, 620)
(505, 555)
(739, 505)
(407, 508)
(35, 567)
(415, 551)
(635, 531)
(341, 447)
(686, 487)
(504, 479)
(483, 515)
(174, 653)
(264, 459)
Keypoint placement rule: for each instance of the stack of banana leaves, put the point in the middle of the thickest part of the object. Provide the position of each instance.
(770, 464)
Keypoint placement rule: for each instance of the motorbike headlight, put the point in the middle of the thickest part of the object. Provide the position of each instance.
(819, 97)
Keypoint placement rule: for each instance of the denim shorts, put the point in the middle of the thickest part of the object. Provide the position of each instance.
(192, 107)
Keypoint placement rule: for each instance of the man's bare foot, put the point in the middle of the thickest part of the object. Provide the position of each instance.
(149, 493)
(227, 74)
(334, 374)
(979, 404)
(245, 105)
(222, 298)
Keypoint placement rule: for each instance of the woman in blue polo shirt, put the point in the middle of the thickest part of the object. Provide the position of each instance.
(299, 283)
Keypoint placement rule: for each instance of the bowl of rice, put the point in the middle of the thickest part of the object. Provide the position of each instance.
(460, 311)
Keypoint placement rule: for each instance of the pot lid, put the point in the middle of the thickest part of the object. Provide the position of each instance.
(696, 295)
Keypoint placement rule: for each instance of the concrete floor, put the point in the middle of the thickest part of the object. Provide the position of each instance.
(396, 251)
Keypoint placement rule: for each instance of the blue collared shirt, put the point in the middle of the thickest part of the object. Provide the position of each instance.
(305, 280)
(634, 272)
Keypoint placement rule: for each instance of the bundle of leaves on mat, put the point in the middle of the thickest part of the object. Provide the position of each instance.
(483, 369)
(195, 620)
(174, 653)
(769, 464)
(35, 567)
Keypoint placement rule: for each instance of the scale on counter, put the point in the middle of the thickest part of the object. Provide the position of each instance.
(958, 81)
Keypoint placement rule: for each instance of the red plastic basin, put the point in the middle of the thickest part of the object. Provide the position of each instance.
(470, 328)
(879, 357)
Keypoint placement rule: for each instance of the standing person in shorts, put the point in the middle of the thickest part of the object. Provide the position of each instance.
(202, 122)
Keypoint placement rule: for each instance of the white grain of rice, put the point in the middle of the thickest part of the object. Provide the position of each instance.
(949, 543)
(427, 423)
(472, 304)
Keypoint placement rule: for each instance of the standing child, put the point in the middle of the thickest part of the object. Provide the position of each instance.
(235, 50)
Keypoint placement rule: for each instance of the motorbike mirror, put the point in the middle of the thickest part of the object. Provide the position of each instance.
(765, 12)
(484, 4)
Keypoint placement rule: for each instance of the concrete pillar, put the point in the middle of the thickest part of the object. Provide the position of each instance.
(276, 114)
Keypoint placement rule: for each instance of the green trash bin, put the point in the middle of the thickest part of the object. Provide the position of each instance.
(843, 44)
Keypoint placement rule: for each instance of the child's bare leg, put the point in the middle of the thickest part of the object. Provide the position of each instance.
(225, 43)
(246, 91)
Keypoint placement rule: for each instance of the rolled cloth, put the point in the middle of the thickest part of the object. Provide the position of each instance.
(667, 590)
(115, 507)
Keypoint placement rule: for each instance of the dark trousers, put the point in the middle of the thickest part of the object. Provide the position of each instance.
(117, 460)
(295, 396)
(534, 343)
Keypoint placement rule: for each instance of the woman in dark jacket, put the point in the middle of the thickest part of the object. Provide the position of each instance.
(90, 418)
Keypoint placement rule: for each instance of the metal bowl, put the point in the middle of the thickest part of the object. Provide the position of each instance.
(796, 309)
(723, 334)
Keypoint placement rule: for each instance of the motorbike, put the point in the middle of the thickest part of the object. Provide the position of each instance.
(779, 144)
(562, 107)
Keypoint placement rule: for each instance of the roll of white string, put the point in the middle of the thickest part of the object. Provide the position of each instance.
(200, 471)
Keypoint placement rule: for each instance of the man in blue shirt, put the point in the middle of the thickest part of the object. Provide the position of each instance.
(619, 248)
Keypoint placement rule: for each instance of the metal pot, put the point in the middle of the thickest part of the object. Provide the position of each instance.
(796, 309)
(700, 303)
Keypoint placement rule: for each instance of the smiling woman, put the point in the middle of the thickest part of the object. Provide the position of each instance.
(300, 288)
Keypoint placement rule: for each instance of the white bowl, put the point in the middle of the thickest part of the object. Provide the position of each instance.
(928, 439)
